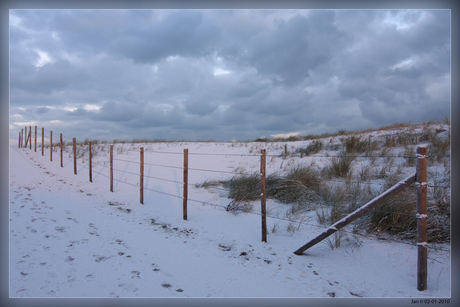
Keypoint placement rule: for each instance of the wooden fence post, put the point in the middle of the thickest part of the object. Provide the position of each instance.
(19, 140)
(75, 156)
(184, 205)
(22, 138)
(60, 145)
(141, 183)
(30, 137)
(90, 162)
(35, 139)
(422, 247)
(25, 134)
(51, 145)
(263, 198)
(111, 168)
(43, 141)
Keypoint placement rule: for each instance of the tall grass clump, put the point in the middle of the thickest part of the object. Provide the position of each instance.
(244, 187)
(353, 144)
(299, 186)
(340, 166)
(438, 148)
(313, 148)
(409, 155)
(397, 214)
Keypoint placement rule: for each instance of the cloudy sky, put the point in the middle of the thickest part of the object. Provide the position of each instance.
(225, 74)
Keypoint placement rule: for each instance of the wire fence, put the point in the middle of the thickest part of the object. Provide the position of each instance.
(49, 143)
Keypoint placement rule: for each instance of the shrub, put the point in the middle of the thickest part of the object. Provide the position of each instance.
(353, 144)
(235, 207)
(243, 187)
(409, 155)
(438, 148)
(397, 214)
(340, 166)
(298, 186)
(314, 147)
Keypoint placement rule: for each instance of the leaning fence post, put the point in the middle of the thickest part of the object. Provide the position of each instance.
(111, 168)
(422, 247)
(141, 183)
(30, 137)
(43, 141)
(263, 198)
(359, 212)
(90, 162)
(184, 205)
(25, 134)
(51, 145)
(75, 156)
(60, 145)
(22, 138)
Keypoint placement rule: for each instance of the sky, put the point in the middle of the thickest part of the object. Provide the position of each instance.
(225, 74)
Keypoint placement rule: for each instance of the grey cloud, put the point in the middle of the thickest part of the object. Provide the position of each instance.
(51, 77)
(118, 111)
(153, 72)
(297, 46)
(41, 110)
(199, 106)
(185, 33)
(80, 112)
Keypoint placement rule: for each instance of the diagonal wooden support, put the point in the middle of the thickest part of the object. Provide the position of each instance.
(359, 212)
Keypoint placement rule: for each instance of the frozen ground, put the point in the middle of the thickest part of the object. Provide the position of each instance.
(72, 238)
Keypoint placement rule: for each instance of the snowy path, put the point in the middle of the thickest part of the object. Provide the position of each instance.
(66, 240)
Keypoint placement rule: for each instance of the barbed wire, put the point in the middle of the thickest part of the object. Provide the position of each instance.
(163, 179)
(280, 155)
(162, 165)
(213, 171)
(129, 161)
(220, 206)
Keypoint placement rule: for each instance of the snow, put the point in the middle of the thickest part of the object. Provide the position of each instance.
(73, 238)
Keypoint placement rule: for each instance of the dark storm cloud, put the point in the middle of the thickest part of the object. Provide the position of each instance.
(297, 46)
(184, 33)
(52, 77)
(228, 74)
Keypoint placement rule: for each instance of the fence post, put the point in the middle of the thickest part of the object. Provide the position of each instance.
(25, 134)
(141, 183)
(19, 140)
(22, 138)
(51, 145)
(111, 168)
(263, 199)
(90, 162)
(75, 156)
(60, 145)
(30, 137)
(422, 218)
(35, 146)
(184, 205)
(43, 141)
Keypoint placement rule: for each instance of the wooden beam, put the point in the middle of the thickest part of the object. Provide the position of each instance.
(359, 212)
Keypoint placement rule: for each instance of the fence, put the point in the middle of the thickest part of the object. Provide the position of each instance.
(420, 177)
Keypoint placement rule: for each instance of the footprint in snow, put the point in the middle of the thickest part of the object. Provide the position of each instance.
(135, 274)
(90, 277)
(128, 287)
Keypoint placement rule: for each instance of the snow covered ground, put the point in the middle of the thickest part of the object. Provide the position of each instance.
(73, 238)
